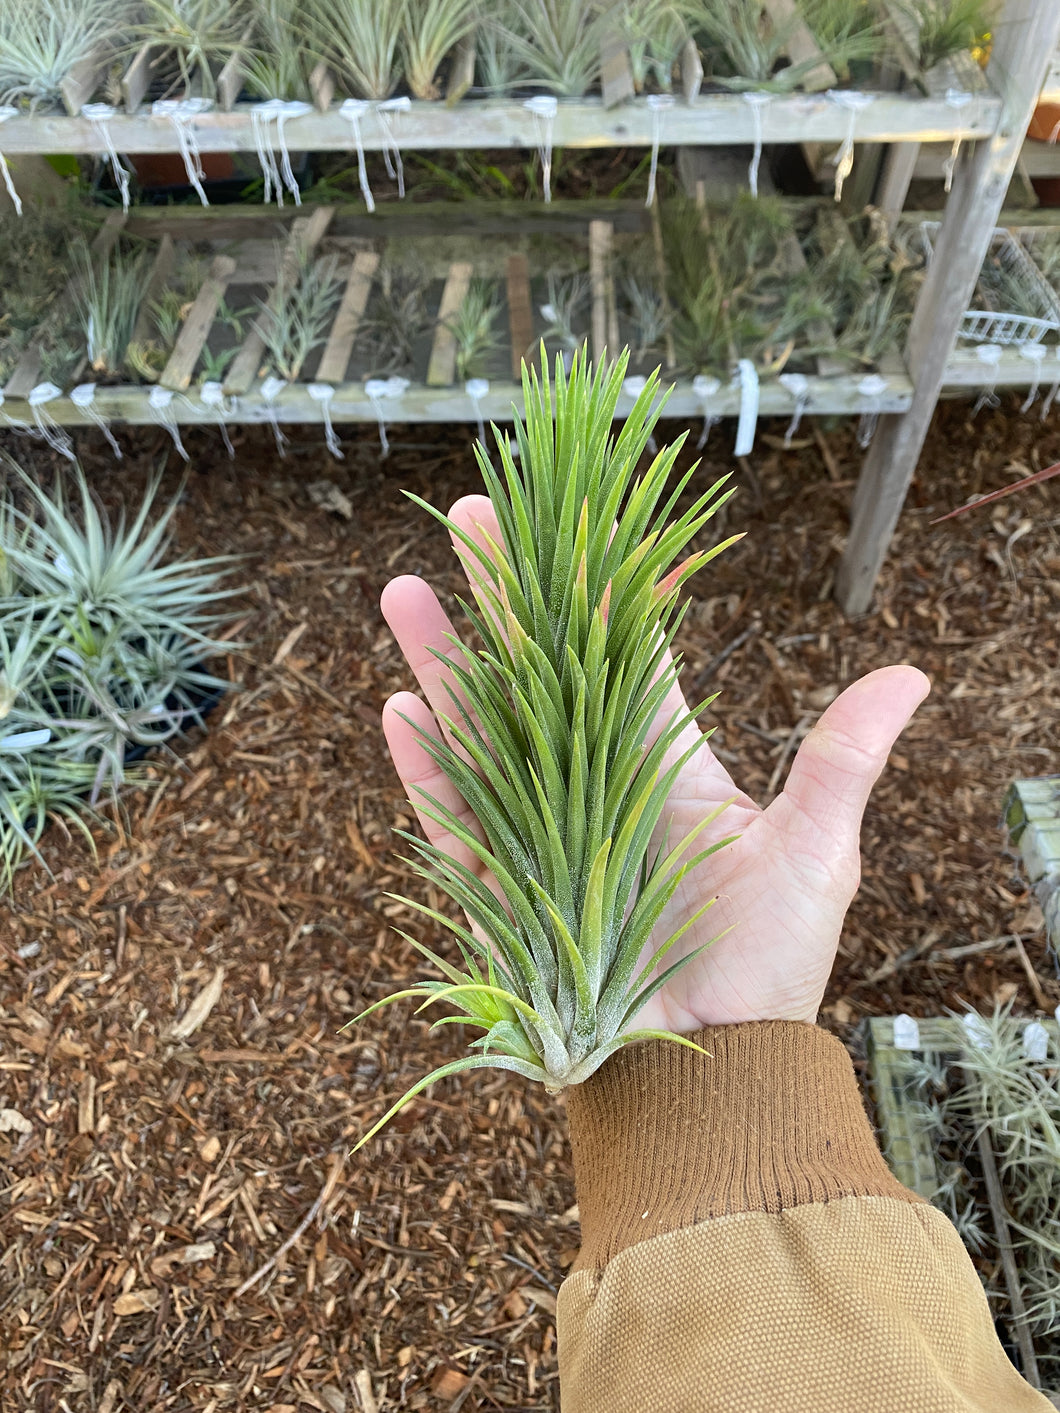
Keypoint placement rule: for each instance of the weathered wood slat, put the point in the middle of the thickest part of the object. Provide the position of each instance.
(520, 313)
(691, 67)
(230, 79)
(616, 75)
(159, 276)
(322, 86)
(441, 369)
(713, 119)
(83, 79)
(196, 327)
(134, 85)
(354, 301)
(306, 233)
(27, 371)
(601, 235)
(429, 404)
(801, 47)
(461, 70)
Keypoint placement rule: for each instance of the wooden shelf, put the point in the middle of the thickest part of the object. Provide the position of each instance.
(712, 119)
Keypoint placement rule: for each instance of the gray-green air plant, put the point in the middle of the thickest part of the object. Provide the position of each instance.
(554, 739)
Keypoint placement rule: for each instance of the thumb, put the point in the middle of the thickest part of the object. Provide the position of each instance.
(842, 758)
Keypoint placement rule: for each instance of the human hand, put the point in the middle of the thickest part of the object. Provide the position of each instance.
(783, 887)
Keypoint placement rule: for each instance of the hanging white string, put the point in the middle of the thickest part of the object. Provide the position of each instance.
(262, 116)
(1034, 353)
(706, 388)
(657, 106)
(544, 107)
(757, 102)
(49, 429)
(1047, 404)
(383, 111)
(322, 393)
(353, 110)
(747, 377)
(989, 355)
(99, 115)
(872, 388)
(853, 102)
(212, 395)
(182, 112)
(294, 108)
(270, 391)
(632, 387)
(8, 111)
(799, 386)
(378, 391)
(958, 99)
(83, 397)
(476, 389)
(160, 400)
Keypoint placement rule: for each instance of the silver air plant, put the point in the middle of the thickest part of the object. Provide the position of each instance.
(295, 318)
(105, 638)
(552, 738)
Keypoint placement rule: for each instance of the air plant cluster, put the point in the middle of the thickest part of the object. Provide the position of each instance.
(103, 640)
(995, 1088)
(34, 271)
(376, 48)
(294, 320)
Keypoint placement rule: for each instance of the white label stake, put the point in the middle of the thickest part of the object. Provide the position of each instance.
(745, 427)
(83, 396)
(544, 108)
(322, 393)
(706, 388)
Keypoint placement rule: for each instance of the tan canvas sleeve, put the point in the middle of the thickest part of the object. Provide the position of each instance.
(746, 1250)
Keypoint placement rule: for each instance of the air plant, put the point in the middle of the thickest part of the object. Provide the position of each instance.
(647, 312)
(431, 29)
(295, 317)
(103, 641)
(949, 27)
(473, 328)
(568, 298)
(42, 40)
(397, 319)
(655, 33)
(201, 34)
(848, 32)
(549, 740)
(361, 39)
(107, 294)
(556, 43)
(746, 46)
(276, 65)
(214, 365)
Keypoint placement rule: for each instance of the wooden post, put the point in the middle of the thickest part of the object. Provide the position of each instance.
(1023, 43)
(354, 302)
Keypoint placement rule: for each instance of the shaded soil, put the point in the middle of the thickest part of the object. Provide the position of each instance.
(147, 1260)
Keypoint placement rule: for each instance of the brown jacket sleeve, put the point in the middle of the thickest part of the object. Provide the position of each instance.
(746, 1250)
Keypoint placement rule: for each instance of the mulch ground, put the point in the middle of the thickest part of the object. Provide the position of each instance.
(181, 1226)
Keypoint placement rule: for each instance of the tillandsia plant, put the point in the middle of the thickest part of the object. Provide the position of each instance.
(432, 29)
(948, 27)
(277, 64)
(556, 43)
(42, 40)
(362, 39)
(296, 315)
(474, 328)
(655, 33)
(107, 295)
(201, 35)
(551, 740)
(104, 641)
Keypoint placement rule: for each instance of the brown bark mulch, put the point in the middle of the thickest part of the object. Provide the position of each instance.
(181, 1226)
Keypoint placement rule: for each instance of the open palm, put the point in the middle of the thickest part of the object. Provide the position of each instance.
(782, 888)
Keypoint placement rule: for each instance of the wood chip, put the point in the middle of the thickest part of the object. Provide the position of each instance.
(200, 1008)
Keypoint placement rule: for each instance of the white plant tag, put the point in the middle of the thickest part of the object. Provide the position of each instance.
(378, 391)
(745, 427)
(262, 116)
(989, 355)
(160, 400)
(757, 102)
(706, 388)
(955, 98)
(83, 396)
(270, 391)
(1034, 353)
(872, 389)
(657, 106)
(544, 107)
(294, 108)
(384, 111)
(7, 110)
(47, 426)
(353, 110)
(476, 389)
(322, 393)
(212, 394)
(906, 1033)
(26, 740)
(99, 115)
(1036, 1042)
(853, 102)
(182, 113)
(798, 385)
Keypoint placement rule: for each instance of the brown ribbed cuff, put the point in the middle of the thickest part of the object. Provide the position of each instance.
(664, 1137)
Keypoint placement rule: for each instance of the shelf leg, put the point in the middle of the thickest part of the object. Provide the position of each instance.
(1024, 40)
